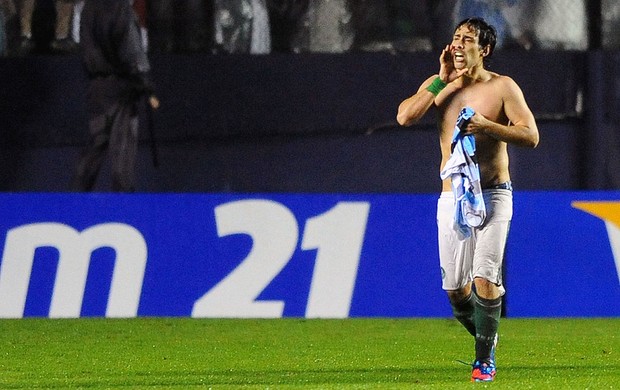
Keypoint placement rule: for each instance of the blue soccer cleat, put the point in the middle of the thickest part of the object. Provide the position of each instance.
(483, 371)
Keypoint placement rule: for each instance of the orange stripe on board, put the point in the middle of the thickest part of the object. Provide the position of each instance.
(607, 211)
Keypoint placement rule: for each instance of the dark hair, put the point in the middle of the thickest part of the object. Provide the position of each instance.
(487, 36)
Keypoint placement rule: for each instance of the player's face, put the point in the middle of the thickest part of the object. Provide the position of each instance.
(465, 48)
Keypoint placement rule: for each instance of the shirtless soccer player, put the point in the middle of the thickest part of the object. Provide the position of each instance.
(471, 267)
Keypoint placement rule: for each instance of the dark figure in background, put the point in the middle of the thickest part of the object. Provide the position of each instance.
(118, 71)
(7, 14)
(179, 26)
(62, 42)
(391, 25)
(284, 18)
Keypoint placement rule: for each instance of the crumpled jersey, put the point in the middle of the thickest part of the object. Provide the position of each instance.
(462, 168)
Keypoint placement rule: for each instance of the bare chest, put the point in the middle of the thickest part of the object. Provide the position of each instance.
(482, 98)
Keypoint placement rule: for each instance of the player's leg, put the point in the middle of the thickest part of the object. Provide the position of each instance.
(455, 257)
(92, 155)
(123, 147)
(463, 308)
(487, 313)
(487, 271)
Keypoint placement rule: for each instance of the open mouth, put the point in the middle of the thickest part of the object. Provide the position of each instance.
(459, 57)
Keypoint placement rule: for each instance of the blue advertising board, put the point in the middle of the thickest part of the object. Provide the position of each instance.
(563, 256)
(289, 255)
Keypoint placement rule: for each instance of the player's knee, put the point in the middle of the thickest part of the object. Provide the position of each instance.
(456, 296)
(486, 289)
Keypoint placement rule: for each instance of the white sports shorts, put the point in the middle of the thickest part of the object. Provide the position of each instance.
(482, 254)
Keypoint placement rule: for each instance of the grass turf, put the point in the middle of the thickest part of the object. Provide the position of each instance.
(185, 353)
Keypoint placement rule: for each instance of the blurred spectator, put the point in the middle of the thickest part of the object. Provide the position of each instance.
(7, 12)
(546, 24)
(393, 25)
(520, 34)
(611, 24)
(560, 24)
(284, 19)
(242, 26)
(261, 30)
(75, 21)
(326, 27)
(26, 10)
(62, 41)
(179, 26)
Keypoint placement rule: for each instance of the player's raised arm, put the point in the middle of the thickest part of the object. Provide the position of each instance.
(413, 108)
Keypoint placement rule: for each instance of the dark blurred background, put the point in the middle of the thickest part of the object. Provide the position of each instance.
(301, 96)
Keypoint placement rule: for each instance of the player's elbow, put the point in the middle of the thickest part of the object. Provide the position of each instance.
(533, 140)
(528, 137)
(404, 119)
(401, 120)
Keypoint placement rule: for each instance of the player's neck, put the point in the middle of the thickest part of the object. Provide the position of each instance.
(475, 75)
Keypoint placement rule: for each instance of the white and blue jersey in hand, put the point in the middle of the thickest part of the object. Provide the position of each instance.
(462, 169)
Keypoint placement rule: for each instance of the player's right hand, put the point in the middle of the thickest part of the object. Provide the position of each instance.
(447, 72)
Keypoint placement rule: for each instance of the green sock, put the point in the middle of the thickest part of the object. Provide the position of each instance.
(464, 312)
(486, 317)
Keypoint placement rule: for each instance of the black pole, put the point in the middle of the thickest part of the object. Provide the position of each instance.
(150, 126)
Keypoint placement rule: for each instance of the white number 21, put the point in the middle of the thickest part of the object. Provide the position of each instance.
(337, 235)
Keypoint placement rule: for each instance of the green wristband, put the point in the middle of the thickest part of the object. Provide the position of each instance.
(436, 86)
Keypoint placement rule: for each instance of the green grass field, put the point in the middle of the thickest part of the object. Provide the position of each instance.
(185, 353)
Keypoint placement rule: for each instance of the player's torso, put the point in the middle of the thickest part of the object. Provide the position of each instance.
(485, 98)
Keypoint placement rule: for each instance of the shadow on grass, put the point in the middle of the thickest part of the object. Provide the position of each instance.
(326, 377)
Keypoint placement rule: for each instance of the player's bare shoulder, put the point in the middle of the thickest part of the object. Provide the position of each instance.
(497, 81)
(503, 87)
(505, 84)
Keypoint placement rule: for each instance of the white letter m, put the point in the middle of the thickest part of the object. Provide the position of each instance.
(75, 251)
